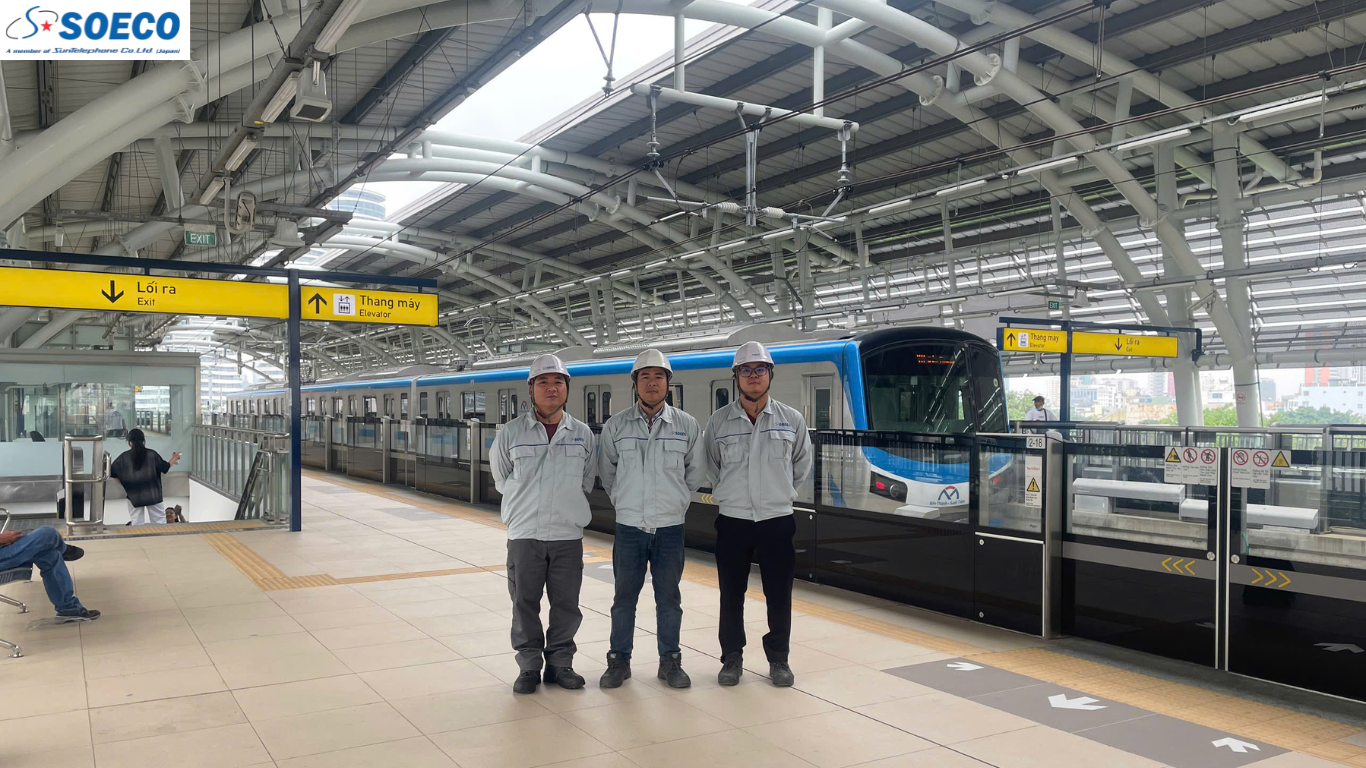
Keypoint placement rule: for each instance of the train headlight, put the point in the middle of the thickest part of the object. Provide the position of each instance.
(886, 486)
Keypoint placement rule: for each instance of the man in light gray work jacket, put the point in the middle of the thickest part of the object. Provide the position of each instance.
(650, 461)
(758, 454)
(544, 463)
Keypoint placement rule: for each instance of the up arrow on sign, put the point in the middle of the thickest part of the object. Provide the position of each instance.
(1236, 745)
(1060, 701)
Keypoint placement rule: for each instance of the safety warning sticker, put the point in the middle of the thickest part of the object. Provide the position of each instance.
(1191, 465)
(1033, 481)
(1252, 468)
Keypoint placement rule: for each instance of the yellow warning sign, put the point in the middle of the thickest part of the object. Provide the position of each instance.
(1174, 457)
(1030, 340)
(1280, 461)
(355, 306)
(1123, 344)
(62, 289)
(1033, 486)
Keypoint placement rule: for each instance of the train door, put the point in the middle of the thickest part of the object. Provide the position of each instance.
(422, 404)
(389, 406)
(822, 412)
(722, 393)
(403, 406)
(443, 405)
(597, 403)
(507, 405)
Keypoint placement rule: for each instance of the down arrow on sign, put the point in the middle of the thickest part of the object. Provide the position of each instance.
(1060, 701)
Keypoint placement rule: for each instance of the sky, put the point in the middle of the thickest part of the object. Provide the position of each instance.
(553, 77)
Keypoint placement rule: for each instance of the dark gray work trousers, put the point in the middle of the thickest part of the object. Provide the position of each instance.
(556, 568)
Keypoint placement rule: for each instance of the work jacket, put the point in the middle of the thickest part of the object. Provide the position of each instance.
(651, 472)
(755, 469)
(544, 482)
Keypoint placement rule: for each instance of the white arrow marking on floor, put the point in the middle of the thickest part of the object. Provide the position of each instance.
(1060, 701)
(1235, 745)
(1335, 647)
(963, 666)
(607, 567)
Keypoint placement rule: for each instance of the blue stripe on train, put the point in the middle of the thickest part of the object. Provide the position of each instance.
(929, 472)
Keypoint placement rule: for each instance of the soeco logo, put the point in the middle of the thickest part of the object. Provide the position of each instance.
(121, 25)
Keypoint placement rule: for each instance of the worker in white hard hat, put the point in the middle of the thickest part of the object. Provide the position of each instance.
(650, 462)
(544, 463)
(758, 454)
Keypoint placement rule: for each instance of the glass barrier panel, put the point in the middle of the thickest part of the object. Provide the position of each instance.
(1003, 482)
(1118, 492)
(892, 474)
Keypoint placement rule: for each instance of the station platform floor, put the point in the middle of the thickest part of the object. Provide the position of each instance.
(379, 637)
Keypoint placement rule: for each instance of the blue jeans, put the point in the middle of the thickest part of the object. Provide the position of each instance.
(44, 547)
(662, 551)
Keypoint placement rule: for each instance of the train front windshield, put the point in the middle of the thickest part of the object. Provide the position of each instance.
(935, 388)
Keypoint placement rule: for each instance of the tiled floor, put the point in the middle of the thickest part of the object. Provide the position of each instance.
(195, 664)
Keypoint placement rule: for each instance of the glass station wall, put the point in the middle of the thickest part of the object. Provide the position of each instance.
(51, 395)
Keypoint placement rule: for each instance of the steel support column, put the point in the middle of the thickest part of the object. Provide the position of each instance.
(1247, 396)
(1185, 373)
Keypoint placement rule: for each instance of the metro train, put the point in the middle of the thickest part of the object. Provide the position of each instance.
(901, 380)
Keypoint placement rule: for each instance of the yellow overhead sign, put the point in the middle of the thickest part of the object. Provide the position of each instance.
(1084, 343)
(1123, 344)
(1033, 340)
(355, 306)
(61, 289)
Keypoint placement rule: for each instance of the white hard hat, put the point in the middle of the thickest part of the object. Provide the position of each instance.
(751, 352)
(651, 358)
(547, 364)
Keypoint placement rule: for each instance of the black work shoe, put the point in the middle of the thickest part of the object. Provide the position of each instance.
(618, 671)
(72, 552)
(671, 671)
(527, 681)
(730, 671)
(84, 614)
(566, 677)
(781, 674)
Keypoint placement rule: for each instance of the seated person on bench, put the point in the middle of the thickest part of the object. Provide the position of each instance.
(44, 548)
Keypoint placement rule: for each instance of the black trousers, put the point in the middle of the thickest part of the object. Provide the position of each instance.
(768, 543)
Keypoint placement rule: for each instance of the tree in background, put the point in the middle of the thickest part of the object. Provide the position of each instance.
(1018, 404)
(1306, 415)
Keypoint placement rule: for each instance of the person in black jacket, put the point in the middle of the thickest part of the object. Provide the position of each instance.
(139, 469)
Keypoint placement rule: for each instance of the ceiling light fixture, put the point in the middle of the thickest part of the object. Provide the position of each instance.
(888, 207)
(1051, 164)
(337, 25)
(211, 191)
(1154, 138)
(246, 147)
(960, 187)
(1276, 109)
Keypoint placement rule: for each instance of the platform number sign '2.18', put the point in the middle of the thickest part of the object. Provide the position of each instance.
(1252, 468)
(1191, 465)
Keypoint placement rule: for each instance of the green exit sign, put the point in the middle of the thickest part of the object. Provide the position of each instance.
(1054, 304)
(209, 239)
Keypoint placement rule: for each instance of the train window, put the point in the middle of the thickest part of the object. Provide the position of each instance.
(991, 398)
(590, 407)
(472, 406)
(675, 396)
(597, 403)
(443, 405)
(403, 406)
(606, 403)
(720, 394)
(389, 406)
(351, 406)
(507, 405)
(422, 405)
(922, 387)
(312, 406)
(337, 406)
(371, 406)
